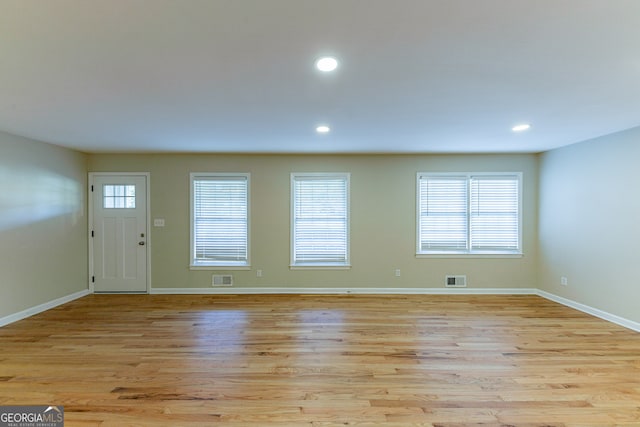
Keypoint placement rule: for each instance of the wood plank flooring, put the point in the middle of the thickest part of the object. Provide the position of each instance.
(299, 360)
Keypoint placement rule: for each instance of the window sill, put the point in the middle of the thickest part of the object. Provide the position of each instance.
(219, 267)
(320, 267)
(470, 255)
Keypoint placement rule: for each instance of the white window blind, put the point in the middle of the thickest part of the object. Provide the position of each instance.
(320, 220)
(473, 214)
(494, 213)
(220, 220)
(443, 213)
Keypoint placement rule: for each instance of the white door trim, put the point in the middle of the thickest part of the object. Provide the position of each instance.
(92, 175)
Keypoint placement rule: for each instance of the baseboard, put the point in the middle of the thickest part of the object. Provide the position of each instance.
(42, 307)
(630, 324)
(339, 291)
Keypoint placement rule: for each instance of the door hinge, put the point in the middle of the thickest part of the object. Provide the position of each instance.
(92, 235)
(93, 279)
(92, 188)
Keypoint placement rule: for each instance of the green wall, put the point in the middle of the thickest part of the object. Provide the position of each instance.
(43, 223)
(590, 223)
(383, 219)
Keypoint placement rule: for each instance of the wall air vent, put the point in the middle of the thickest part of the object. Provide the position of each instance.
(222, 280)
(455, 281)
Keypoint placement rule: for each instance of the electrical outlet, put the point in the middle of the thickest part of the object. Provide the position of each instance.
(258, 273)
(564, 281)
(397, 272)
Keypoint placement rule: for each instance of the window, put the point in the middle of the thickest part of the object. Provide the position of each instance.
(115, 196)
(220, 220)
(320, 220)
(469, 214)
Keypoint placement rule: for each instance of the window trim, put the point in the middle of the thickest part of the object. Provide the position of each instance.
(470, 253)
(293, 265)
(217, 265)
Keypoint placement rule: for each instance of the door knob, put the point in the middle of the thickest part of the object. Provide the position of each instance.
(141, 243)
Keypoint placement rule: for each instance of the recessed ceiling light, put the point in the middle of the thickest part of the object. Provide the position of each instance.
(327, 63)
(323, 129)
(521, 127)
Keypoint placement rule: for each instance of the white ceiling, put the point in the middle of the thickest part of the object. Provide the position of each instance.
(415, 76)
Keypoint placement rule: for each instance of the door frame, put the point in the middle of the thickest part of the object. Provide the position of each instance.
(90, 200)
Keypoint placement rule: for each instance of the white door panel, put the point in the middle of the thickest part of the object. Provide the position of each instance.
(119, 233)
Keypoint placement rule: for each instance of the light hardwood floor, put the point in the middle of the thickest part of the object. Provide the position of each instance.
(284, 360)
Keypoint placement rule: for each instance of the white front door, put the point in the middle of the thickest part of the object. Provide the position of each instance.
(119, 233)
